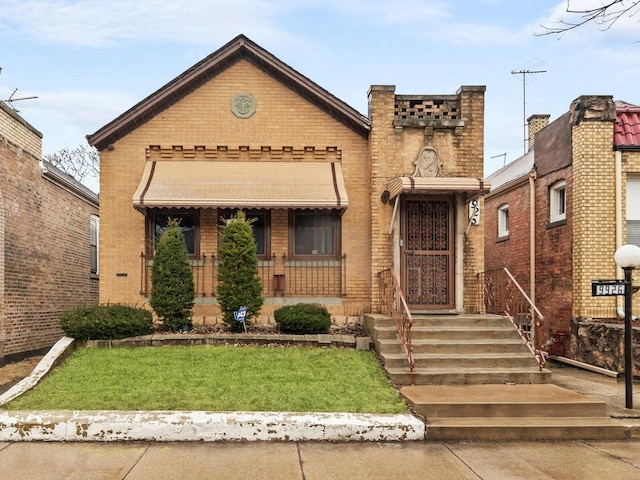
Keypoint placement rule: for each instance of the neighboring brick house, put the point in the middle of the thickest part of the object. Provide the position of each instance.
(570, 203)
(337, 196)
(48, 237)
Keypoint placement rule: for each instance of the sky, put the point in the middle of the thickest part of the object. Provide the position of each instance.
(88, 61)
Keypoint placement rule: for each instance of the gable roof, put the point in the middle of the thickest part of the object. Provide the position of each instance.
(238, 48)
(626, 131)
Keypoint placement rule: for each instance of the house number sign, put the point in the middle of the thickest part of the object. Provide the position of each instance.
(606, 288)
(474, 212)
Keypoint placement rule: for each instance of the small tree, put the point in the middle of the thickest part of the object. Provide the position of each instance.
(172, 288)
(240, 284)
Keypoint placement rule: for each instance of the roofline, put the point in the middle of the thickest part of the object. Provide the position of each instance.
(64, 181)
(511, 184)
(14, 114)
(240, 47)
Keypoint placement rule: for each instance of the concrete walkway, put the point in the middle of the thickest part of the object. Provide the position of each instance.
(321, 461)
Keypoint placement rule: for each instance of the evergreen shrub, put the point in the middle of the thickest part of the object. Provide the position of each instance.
(303, 319)
(239, 282)
(172, 288)
(106, 322)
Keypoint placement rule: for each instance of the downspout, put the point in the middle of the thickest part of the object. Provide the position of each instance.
(618, 172)
(532, 236)
(618, 207)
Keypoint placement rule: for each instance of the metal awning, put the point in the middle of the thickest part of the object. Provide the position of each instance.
(213, 184)
(431, 185)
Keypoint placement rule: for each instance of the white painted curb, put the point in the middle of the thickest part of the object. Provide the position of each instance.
(165, 426)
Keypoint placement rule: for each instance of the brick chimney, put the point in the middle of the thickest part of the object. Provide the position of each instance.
(535, 123)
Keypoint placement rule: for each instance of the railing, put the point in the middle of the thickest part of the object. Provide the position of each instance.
(280, 276)
(392, 301)
(497, 292)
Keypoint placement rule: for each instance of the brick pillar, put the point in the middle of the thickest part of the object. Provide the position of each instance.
(382, 151)
(592, 119)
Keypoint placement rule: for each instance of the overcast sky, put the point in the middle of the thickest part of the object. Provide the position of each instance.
(87, 61)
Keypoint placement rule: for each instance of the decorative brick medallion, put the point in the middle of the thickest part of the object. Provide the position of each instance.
(243, 105)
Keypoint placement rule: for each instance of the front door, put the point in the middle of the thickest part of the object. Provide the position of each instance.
(427, 252)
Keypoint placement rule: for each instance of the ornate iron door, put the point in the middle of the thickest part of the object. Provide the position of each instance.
(427, 253)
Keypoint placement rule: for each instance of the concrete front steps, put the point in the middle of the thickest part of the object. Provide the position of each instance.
(510, 412)
(456, 349)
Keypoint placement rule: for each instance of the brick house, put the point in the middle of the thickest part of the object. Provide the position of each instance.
(337, 196)
(48, 242)
(556, 216)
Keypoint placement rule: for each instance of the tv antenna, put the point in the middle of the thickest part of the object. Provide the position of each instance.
(10, 101)
(504, 158)
(524, 74)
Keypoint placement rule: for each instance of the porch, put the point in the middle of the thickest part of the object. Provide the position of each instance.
(281, 276)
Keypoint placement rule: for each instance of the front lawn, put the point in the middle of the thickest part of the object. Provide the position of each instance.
(215, 378)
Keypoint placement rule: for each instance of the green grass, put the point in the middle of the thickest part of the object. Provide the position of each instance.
(220, 378)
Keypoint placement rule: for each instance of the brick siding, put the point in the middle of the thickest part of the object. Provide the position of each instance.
(44, 244)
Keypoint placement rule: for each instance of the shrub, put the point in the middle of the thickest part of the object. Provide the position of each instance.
(240, 283)
(106, 322)
(303, 319)
(172, 287)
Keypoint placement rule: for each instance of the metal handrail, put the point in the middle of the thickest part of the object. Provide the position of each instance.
(392, 301)
(505, 296)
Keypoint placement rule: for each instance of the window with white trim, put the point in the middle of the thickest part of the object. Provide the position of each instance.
(94, 238)
(503, 220)
(558, 201)
(633, 210)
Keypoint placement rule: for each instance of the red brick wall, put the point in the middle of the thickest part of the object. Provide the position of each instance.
(554, 272)
(46, 265)
(514, 251)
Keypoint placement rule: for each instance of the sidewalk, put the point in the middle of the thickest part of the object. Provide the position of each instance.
(321, 461)
(608, 389)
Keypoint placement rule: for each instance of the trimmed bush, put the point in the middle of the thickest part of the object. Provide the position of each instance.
(172, 287)
(106, 322)
(303, 319)
(240, 283)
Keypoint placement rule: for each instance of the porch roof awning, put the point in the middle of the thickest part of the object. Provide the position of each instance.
(213, 184)
(469, 185)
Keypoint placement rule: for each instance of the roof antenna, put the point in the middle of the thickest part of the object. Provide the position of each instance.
(9, 101)
(524, 74)
(504, 158)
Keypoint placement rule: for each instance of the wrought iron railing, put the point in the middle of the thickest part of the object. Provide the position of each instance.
(497, 292)
(392, 301)
(281, 276)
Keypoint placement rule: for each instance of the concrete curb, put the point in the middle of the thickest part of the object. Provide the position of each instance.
(60, 351)
(170, 426)
(165, 426)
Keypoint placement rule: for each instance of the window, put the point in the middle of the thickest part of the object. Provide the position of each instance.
(315, 232)
(261, 227)
(558, 202)
(189, 225)
(94, 235)
(633, 210)
(503, 220)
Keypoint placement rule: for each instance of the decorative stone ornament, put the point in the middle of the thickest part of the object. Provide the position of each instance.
(243, 105)
(427, 163)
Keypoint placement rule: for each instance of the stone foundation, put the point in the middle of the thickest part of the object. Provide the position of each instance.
(602, 344)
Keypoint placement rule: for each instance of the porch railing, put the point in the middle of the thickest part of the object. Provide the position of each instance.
(497, 292)
(280, 276)
(392, 301)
